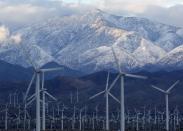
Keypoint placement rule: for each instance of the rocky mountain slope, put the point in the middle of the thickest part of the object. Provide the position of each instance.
(83, 43)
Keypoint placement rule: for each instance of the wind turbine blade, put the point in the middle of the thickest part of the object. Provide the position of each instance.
(136, 76)
(28, 89)
(51, 96)
(158, 89)
(114, 97)
(116, 60)
(173, 86)
(107, 82)
(28, 57)
(98, 94)
(51, 69)
(30, 101)
(31, 97)
(114, 82)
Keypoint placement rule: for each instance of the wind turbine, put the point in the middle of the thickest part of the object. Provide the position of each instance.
(44, 93)
(77, 95)
(137, 119)
(166, 92)
(80, 118)
(36, 76)
(6, 117)
(37, 73)
(71, 98)
(62, 116)
(73, 119)
(121, 76)
(107, 94)
(14, 98)
(10, 98)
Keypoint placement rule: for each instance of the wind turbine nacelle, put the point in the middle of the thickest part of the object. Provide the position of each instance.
(38, 71)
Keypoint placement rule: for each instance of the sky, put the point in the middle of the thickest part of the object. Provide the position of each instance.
(23, 12)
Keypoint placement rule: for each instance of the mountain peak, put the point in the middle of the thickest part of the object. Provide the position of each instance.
(81, 42)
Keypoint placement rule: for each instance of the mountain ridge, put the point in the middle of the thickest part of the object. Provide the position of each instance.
(76, 42)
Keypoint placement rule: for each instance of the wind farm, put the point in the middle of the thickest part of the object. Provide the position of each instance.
(93, 65)
(36, 109)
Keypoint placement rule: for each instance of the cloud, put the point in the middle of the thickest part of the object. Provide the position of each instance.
(4, 34)
(134, 5)
(26, 12)
(21, 12)
(17, 38)
(171, 15)
(164, 11)
(6, 37)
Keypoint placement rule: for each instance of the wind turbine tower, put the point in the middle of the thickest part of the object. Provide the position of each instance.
(166, 92)
(121, 76)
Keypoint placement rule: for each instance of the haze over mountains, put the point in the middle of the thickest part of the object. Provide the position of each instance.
(83, 43)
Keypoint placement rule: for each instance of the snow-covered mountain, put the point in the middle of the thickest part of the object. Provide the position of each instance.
(83, 42)
(148, 53)
(173, 60)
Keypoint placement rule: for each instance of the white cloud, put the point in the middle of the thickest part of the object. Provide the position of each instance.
(6, 37)
(136, 6)
(23, 12)
(171, 15)
(17, 38)
(4, 34)
(164, 11)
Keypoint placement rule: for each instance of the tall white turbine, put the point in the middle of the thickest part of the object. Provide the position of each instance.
(122, 75)
(37, 72)
(166, 92)
(107, 94)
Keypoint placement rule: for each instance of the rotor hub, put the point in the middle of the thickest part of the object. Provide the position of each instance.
(38, 71)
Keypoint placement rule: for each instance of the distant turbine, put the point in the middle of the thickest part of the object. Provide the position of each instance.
(10, 98)
(107, 94)
(80, 118)
(166, 92)
(62, 116)
(6, 117)
(122, 75)
(71, 99)
(77, 95)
